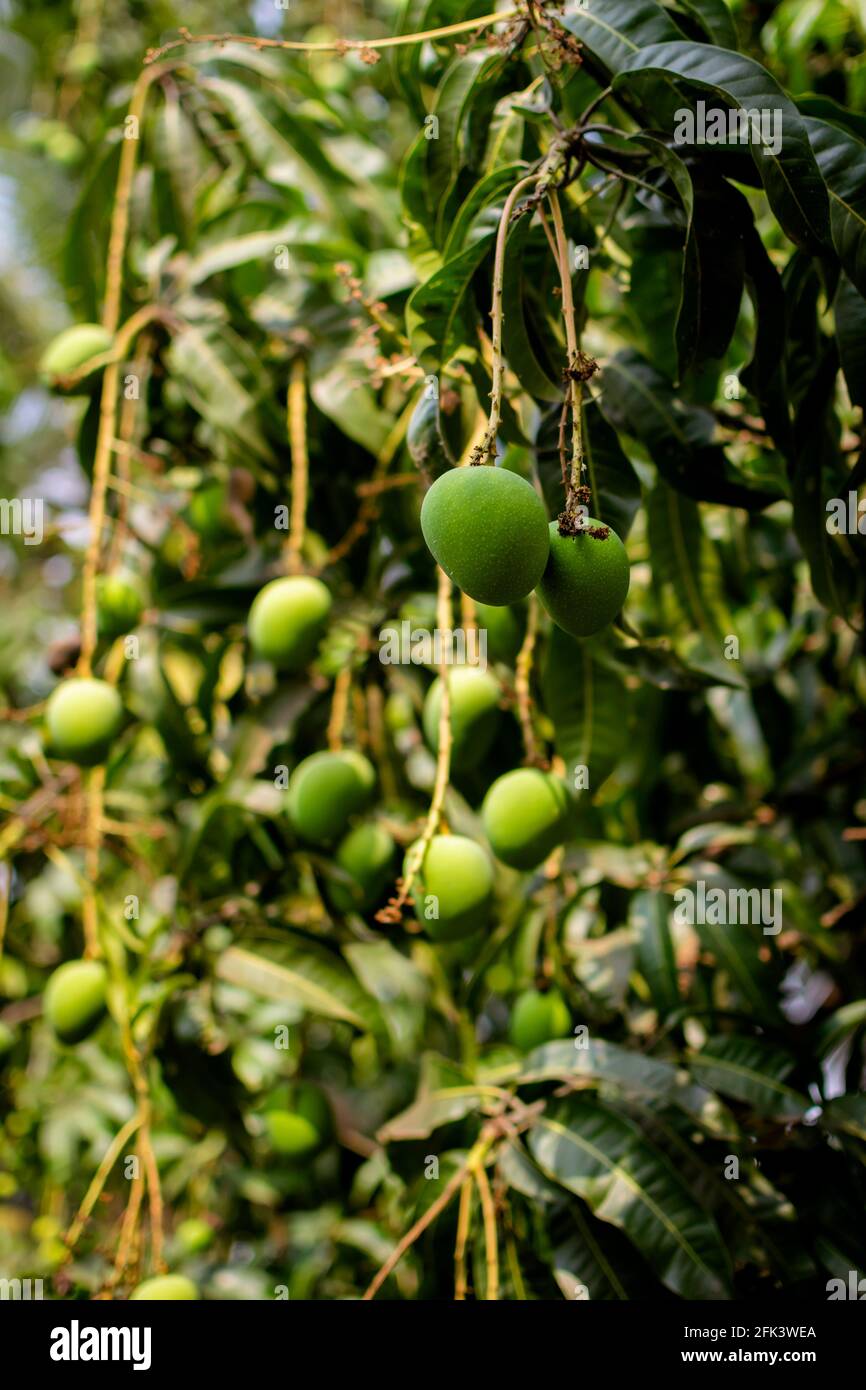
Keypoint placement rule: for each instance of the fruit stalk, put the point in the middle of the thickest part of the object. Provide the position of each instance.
(487, 448)
(297, 423)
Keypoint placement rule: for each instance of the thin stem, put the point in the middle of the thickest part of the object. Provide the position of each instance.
(93, 844)
(575, 386)
(297, 423)
(487, 448)
(339, 708)
(464, 1213)
(488, 1212)
(335, 45)
(415, 859)
(522, 682)
(100, 1178)
(451, 1188)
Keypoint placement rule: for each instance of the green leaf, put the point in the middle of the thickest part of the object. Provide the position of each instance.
(341, 393)
(589, 706)
(605, 1159)
(790, 174)
(842, 160)
(319, 982)
(766, 374)
(849, 310)
(841, 1024)
(713, 258)
(715, 19)
(435, 317)
(846, 1115)
(617, 30)
(639, 401)
(210, 372)
(424, 438)
(752, 1071)
(524, 348)
(649, 918)
(687, 576)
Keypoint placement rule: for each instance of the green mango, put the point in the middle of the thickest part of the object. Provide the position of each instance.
(524, 816)
(287, 620)
(453, 888)
(475, 715)
(325, 791)
(74, 1002)
(194, 1235)
(505, 629)
(119, 604)
(163, 1287)
(585, 581)
(366, 854)
(487, 528)
(83, 716)
(537, 1018)
(74, 347)
(301, 1124)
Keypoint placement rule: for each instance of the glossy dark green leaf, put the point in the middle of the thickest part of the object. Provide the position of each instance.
(589, 705)
(424, 438)
(639, 401)
(649, 917)
(849, 312)
(752, 1071)
(605, 1159)
(842, 160)
(790, 174)
(715, 19)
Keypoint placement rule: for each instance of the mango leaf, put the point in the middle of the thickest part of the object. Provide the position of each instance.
(351, 403)
(849, 310)
(789, 173)
(766, 374)
(487, 194)
(444, 1095)
(316, 980)
(846, 1115)
(210, 373)
(687, 576)
(624, 1070)
(752, 1071)
(841, 1024)
(605, 1160)
(424, 438)
(435, 317)
(818, 474)
(589, 705)
(735, 951)
(524, 350)
(713, 258)
(842, 160)
(616, 31)
(639, 401)
(456, 92)
(715, 19)
(649, 919)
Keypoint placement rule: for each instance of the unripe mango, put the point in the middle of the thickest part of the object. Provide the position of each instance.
(487, 528)
(453, 888)
(366, 854)
(194, 1235)
(75, 999)
(208, 512)
(537, 1018)
(524, 815)
(83, 716)
(586, 579)
(7, 1039)
(287, 620)
(73, 347)
(301, 1126)
(165, 1286)
(474, 715)
(325, 791)
(120, 604)
(505, 629)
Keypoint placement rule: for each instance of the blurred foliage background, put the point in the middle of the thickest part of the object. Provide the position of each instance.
(279, 213)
